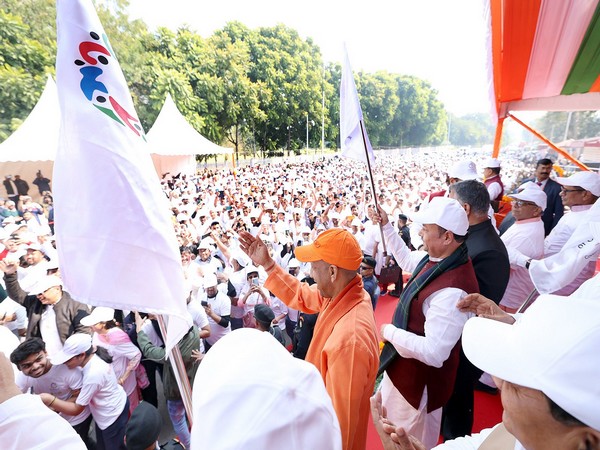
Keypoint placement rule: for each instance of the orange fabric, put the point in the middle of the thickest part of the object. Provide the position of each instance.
(496, 24)
(336, 246)
(344, 348)
(596, 85)
(519, 23)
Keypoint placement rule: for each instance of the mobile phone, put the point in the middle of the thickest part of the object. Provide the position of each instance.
(204, 303)
(255, 281)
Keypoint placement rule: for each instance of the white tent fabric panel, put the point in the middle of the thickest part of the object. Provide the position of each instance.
(174, 164)
(171, 134)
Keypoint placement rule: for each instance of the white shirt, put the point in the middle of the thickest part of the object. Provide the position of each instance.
(10, 307)
(372, 236)
(563, 230)
(221, 306)
(559, 236)
(58, 381)
(101, 392)
(494, 189)
(49, 331)
(443, 320)
(253, 299)
(279, 308)
(526, 236)
(199, 317)
(124, 354)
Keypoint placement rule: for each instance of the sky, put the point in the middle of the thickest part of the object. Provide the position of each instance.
(441, 41)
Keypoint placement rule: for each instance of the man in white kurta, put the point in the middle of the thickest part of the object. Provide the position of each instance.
(579, 192)
(527, 236)
(443, 328)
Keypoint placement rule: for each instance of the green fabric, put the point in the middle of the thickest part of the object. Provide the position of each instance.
(586, 66)
(189, 342)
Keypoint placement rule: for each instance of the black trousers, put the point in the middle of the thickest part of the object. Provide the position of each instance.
(457, 416)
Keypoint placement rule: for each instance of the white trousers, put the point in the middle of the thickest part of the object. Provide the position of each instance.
(422, 425)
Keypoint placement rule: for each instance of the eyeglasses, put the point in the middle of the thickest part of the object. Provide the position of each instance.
(570, 190)
(521, 203)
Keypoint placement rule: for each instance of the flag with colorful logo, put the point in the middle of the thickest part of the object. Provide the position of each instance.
(115, 238)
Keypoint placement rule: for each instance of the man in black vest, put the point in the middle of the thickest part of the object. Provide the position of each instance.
(492, 268)
(421, 354)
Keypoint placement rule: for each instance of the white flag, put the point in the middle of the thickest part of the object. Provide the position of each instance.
(351, 119)
(115, 239)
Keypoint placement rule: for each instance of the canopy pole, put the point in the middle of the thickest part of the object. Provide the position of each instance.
(498, 138)
(546, 141)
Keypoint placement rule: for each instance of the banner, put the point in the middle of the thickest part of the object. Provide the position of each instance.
(114, 235)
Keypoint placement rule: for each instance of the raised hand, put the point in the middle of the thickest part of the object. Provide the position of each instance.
(256, 249)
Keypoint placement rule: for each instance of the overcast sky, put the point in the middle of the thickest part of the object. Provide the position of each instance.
(441, 41)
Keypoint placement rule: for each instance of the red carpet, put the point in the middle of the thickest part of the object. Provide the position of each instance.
(488, 408)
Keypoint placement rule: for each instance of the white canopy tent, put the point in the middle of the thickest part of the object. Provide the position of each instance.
(33, 145)
(174, 143)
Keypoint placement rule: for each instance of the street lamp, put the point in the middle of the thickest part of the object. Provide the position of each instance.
(312, 124)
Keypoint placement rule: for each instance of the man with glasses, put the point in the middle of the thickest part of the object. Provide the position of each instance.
(579, 192)
(526, 236)
(53, 315)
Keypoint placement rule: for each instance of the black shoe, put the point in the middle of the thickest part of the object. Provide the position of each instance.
(395, 293)
(479, 386)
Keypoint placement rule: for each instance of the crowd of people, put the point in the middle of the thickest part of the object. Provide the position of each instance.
(294, 253)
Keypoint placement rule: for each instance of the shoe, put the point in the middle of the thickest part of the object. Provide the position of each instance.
(395, 293)
(482, 387)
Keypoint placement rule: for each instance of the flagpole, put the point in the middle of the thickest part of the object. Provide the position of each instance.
(362, 131)
(176, 361)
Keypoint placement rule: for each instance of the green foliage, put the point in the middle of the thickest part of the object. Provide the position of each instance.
(252, 88)
(24, 63)
(471, 129)
(584, 124)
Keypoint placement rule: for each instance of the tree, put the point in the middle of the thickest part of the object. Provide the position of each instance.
(584, 124)
(289, 71)
(24, 63)
(471, 129)
(379, 101)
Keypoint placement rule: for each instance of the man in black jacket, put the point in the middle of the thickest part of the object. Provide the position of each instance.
(53, 315)
(492, 269)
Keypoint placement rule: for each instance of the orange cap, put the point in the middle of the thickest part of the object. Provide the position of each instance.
(336, 246)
